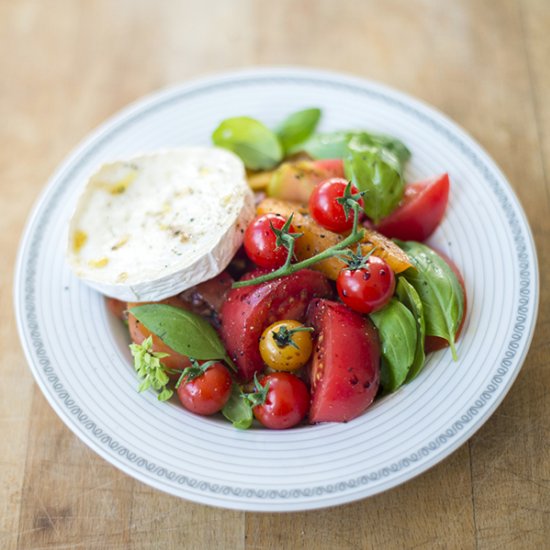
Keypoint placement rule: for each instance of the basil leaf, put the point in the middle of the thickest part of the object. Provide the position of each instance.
(408, 296)
(334, 144)
(256, 145)
(297, 127)
(397, 330)
(438, 288)
(185, 332)
(238, 409)
(377, 172)
(391, 144)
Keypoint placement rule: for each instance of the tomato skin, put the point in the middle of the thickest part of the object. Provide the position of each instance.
(249, 310)
(435, 343)
(420, 212)
(345, 371)
(208, 393)
(289, 357)
(117, 308)
(325, 209)
(259, 241)
(138, 333)
(367, 289)
(287, 401)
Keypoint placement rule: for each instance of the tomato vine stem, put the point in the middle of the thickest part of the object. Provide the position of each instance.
(288, 268)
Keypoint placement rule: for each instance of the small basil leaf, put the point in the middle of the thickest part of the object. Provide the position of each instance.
(397, 330)
(377, 172)
(408, 296)
(238, 410)
(183, 331)
(297, 127)
(256, 145)
(438, 288)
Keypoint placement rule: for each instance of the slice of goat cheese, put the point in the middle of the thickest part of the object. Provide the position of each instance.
(151, 226)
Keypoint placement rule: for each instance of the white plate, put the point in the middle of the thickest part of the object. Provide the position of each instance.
(78, 353)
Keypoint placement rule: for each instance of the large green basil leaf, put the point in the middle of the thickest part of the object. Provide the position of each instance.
(334, 144)
(438, 288)
(397, 330)
(297, 127)
(377, 172)
(408, 296)
(238, 410)
(257, 146)
(185, 332)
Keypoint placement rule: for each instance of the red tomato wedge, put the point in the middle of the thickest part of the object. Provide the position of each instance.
(435, 343)
(420, 212)
(345, 373)
(249, 310)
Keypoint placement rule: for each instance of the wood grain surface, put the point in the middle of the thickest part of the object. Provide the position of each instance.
(68, 64)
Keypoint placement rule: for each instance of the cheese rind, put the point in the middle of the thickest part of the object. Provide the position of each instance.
(151, 226)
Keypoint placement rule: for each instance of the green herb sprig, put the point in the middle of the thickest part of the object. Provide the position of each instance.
(148, 367)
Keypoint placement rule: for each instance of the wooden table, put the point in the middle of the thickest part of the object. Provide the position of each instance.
(68, 64)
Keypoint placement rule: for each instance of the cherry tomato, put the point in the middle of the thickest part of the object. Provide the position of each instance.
(325, 208)
(369, 288)
(259, 241)
(435, 343)
(345, 371)
(208, 393)
(286, 403)
(420, 212)
(286, 345)
(138, 333)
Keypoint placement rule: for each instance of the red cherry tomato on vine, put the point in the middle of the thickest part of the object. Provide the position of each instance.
(208, 393)
(259, 241)
(369, 288)
(325, 208)
(286, 403)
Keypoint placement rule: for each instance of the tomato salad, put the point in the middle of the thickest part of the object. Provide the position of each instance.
(333, 298)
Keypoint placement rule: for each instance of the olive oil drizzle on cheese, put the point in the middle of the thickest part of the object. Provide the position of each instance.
(79, 240)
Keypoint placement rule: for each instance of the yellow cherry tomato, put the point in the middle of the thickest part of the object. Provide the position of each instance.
(286, 345)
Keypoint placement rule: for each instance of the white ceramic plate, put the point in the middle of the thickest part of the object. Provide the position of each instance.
(78, 353)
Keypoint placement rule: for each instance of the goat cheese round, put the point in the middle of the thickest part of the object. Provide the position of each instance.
(151, 226)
